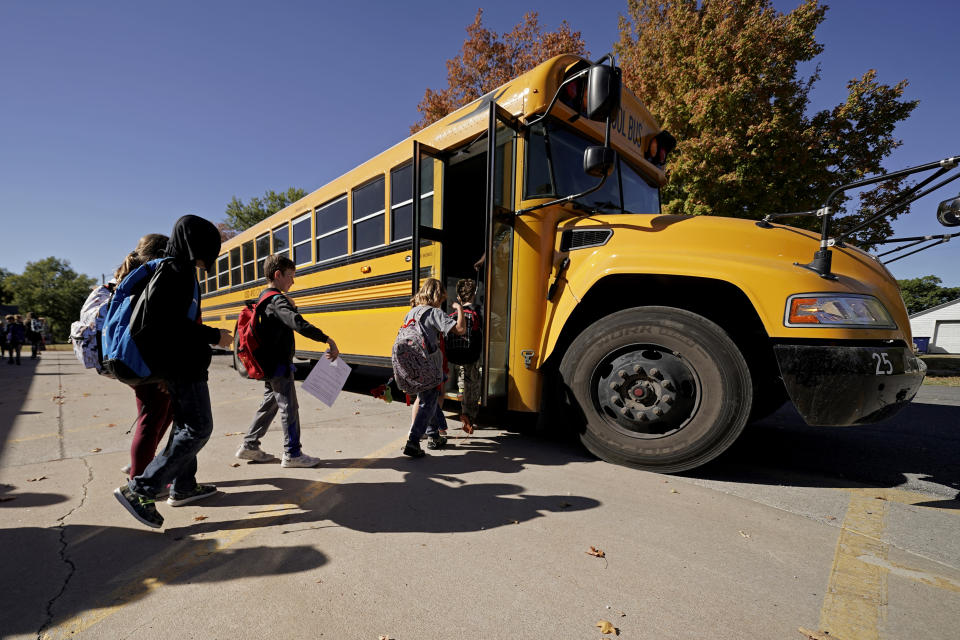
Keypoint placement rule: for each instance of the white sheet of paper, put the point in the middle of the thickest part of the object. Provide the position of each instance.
(326, 379)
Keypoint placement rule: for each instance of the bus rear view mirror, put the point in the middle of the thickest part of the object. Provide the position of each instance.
(603, 91)
(948, 213)
(598, 161)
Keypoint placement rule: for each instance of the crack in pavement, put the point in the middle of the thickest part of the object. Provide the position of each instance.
(62, 552)
(71, 567)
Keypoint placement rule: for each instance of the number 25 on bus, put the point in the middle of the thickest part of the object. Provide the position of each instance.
(657, 337)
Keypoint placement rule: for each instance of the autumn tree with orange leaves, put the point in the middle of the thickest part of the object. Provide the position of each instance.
(487, 61)
(721, 75)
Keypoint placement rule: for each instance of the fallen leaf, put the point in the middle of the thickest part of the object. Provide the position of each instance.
(233, 433)
(85, 395)
(37, 479)
(356, 413)
(199, 518)
(606, 627)
(96, 450)
(383, 637)
(7, 498)
(596, 552)
(111, 424)
(744, 533)
(564, 505)
(235, 464)
(815, 635)
(338, 451)
(674, 491)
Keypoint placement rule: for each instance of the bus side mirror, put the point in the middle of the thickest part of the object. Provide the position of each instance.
(603, 91)
(948, 213)
(598, 161)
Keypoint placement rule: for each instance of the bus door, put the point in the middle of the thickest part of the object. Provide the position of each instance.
(427, 218)
(497, 269)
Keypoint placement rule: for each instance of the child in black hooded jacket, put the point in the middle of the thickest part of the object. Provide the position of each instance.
(176, 347)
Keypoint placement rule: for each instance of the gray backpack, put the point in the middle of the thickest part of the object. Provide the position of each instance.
(415, 369)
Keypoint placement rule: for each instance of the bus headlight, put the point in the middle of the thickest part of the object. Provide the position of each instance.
(836, 310)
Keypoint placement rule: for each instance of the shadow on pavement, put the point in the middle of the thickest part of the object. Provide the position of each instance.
(431, 497)
(921, 443)
(15, 381)
(110, 566)
(11, 499)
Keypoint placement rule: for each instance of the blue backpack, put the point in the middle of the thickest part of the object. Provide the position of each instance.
(121, 358)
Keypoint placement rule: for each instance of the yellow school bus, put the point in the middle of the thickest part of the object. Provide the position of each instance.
(658, 337)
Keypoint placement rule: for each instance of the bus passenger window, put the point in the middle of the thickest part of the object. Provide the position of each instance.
(263, 250)
(301, 240)
(281, 240)
(223, 272)
(331, 222)
(249, 268)
(202, 280)
(368, 215)
(401, 199)
(235, 266)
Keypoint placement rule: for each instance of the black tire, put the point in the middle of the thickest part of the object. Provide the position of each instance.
(242, 370)
(656, 388)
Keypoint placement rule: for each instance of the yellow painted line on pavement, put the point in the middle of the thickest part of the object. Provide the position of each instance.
(184, 562)
(855, 605)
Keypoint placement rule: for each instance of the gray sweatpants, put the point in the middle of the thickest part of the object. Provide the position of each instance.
(279, 394)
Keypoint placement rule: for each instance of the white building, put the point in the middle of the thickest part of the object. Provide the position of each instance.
(940, 325)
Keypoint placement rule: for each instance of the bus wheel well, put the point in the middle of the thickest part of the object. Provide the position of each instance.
(718, 300)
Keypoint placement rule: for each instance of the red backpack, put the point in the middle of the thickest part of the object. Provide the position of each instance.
(247, 341)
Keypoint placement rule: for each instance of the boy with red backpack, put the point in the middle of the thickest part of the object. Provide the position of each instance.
(465, 353)
(274, 321)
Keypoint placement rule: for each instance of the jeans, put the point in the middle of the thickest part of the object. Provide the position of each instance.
(429, 416)
(177, 463)
(280, 393)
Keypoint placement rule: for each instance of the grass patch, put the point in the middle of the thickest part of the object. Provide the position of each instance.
(943, 381)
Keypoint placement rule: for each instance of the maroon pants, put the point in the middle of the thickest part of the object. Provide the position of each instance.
(154, 415)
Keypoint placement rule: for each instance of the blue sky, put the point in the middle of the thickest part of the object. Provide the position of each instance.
(116, 118)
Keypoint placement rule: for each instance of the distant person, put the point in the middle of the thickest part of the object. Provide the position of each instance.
(434, 325)
(3, 336)
(154, 405)
(176, 347)
(34, 334)
(46, 336)
(16, 333)
(280, 319)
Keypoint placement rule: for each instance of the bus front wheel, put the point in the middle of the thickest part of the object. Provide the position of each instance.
(657, 388)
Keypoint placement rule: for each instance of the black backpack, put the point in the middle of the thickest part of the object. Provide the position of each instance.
(466, 349)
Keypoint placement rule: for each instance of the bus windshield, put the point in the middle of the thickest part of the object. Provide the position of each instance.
(554, 169)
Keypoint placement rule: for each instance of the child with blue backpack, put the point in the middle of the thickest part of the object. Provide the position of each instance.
(175, 345)
(433, 324)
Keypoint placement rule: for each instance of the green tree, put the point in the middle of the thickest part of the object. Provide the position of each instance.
(50, 288)
(242, 216)
(488, 60)
(721, 75)
(925, 292)
(6, 294)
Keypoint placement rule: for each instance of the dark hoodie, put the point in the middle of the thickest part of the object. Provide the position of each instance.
(173, 342)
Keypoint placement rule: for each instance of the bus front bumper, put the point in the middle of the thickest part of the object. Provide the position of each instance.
(831, 385)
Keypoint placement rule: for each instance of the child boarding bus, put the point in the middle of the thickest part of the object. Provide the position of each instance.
(660, 337)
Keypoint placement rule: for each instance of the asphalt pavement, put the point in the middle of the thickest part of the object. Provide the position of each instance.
(850, 531)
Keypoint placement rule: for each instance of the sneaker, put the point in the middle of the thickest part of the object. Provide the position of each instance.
(300, 461)
(436, 442)
(199, 492)
(125, 470)
(254, 455)
(413, 450)
(140, 507)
